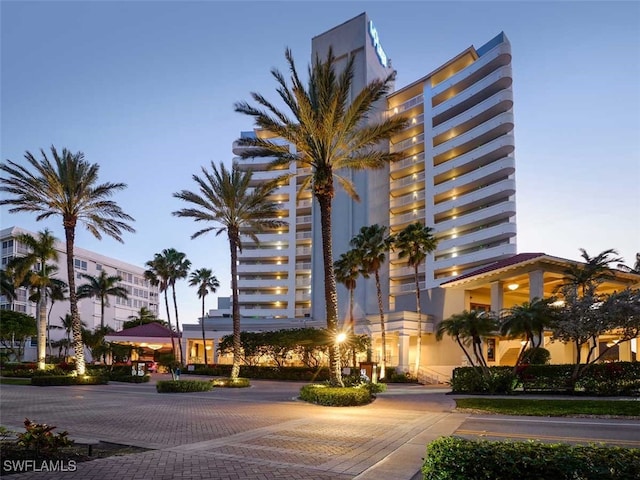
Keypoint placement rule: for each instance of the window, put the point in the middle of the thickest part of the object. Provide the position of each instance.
(80, 264)
(480, 307)
(98, 267)
(491, 349)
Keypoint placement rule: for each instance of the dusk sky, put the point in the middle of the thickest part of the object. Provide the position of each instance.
(146, 90)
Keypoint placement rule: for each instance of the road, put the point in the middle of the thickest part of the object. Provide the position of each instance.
(620, 432)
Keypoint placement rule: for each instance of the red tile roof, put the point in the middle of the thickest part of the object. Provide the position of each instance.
(507, 262)
(146, 330)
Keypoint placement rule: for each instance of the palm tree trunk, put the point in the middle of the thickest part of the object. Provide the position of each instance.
(175, 306)
(166, 305)
(235, 307)
(330, 289)
(102, 303)
(204, 340)
(353, 331)
(76, 325)
(471, 362)
(42, 328)
(383, 367)
(419, 339)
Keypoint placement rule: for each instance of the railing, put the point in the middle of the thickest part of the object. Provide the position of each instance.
(407, 162)
(429, 376)
(403, 107)
(404, 144)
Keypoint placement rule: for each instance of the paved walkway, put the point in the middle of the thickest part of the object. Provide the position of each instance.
(261, 432)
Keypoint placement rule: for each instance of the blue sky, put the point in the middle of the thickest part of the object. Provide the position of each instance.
(146, 90)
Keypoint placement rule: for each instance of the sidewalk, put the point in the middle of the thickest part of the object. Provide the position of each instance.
(262, 432)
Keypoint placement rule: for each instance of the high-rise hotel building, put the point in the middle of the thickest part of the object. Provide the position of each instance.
(456, 175)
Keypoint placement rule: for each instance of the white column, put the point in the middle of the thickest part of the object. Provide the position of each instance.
(497, 296)
(403, 352)
(536, 284)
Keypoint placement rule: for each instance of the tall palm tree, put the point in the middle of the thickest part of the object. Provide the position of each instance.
(179, 267)
(101, 287)
(469, 327)
(331, 132)
(414, 243)
(158, 273)
(66, 186)
(33, 271)
(206, 281)
(371, 246)
(585, 277)
(143, 317)
(347, 271)
(228, 201)
(527, 320)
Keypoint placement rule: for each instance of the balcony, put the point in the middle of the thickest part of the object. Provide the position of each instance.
(479, 217)
(481, 175)
(500, 55)
(487, 194)
(476, 158)
(408, 105)
(482, 235)
(303, 266)
(479, 257)
(489, 130)
(481, 112)
(262, 282)
(404, 202)
(303, 251)
(263, 267)
(304, 220)
(408, 143)
(405, 271)
(397, 220)
(406, 288)
(407, 184)
(499, 80)
(412, 163)
(304, 235)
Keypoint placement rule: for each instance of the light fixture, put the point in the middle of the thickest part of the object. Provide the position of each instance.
(513, 286)
(341, 337)
(155, 346)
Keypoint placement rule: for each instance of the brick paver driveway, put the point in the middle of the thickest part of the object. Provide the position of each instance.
(262, 432)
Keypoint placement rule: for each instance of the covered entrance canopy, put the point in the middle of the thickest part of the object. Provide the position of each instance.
(151, 335)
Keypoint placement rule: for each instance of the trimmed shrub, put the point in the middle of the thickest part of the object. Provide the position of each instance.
(298, 374)
(450, 458)
(335, 396)
(60, 380)
(536, 356)
(396, 377)
(129, 378)
(500, 380)
(228, 383)
(183, 386)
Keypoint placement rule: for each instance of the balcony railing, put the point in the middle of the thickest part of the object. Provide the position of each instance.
(409, 104)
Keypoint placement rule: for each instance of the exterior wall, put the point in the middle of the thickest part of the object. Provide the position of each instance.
(141, 293)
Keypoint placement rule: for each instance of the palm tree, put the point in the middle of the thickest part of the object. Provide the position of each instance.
(330, 132)
(7, 288)
(227, 199)
(179, 267)
(32, 270)
(469, 327)
(143, 317)
(371, 246)
(527, 321)
(101, 287)
(414, 243)
(66, 187)
(636, 266)
(57, 292)
(586, 277)
(206, 281)
(347, 271)
(158, 273)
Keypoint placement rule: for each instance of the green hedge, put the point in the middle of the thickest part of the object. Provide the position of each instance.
(129, 378)
(183, 386)
(336, 396)
(451, 458)
(501, 380)
(613, 379)
(58, 380)
(228, 383)
(300, 374)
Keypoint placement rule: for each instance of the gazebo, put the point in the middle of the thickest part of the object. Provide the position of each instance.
(152, 336)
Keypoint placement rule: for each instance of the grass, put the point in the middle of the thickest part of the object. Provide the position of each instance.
(15, 381)
(552, 408)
